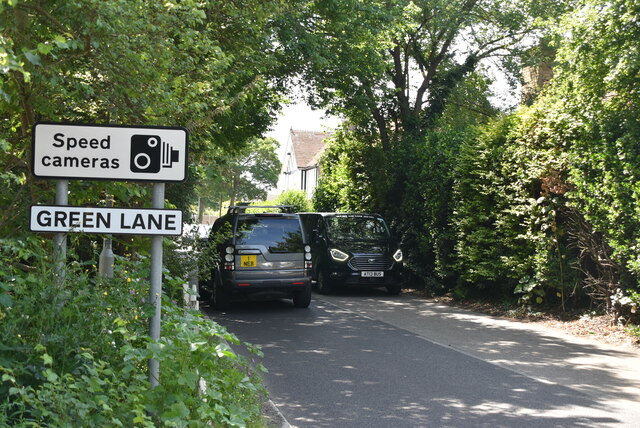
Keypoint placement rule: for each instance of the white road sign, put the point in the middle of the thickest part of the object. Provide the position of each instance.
(116, 221)
(109, 152)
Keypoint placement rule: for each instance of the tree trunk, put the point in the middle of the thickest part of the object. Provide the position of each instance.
(234, 189)
(201, 207)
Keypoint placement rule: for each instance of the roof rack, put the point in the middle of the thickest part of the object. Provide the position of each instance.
(241, 209)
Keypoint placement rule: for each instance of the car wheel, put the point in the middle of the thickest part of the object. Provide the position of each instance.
(204, 291)
(394, 290)
(220, 298)
(302, 298)
(324, 285)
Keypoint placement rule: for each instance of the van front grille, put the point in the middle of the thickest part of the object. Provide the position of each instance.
(374, 262)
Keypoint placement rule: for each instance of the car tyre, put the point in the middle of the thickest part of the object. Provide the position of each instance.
(394, 290)
(220, 298)
(302, 298)
(204, 291)
(324, 284)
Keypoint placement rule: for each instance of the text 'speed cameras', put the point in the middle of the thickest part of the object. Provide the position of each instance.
(149, 153)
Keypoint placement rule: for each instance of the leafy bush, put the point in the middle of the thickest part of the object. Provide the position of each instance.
(201, 380)
(486, 217)
(76, 351)
(626, 305)
(346, 183)
(93, 395)
(296, 198)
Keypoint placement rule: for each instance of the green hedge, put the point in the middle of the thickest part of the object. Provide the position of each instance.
(75, 353)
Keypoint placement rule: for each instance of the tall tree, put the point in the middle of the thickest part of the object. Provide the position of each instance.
(393, 68)
(247, 174)
(204, 65)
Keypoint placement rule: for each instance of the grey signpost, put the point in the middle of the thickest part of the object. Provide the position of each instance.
(60, 239)
(117, 153)
(155, 291)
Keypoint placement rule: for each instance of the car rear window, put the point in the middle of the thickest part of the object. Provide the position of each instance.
(278, 234)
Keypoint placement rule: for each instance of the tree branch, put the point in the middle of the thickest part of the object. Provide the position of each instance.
(52, 19)
(400, 81)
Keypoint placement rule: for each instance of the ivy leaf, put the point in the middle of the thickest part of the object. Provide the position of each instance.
(5, 300)
(33, 58)
(51, 376)
(44, 49)
(177, 411)
(5, 96)
(47, 359)
(60, 42)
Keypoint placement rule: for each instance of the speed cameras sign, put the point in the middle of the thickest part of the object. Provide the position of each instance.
(109, 152)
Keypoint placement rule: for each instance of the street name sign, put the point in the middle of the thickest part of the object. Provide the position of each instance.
(109, 152)
(116, 221)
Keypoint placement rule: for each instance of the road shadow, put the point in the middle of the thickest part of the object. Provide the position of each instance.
(331, 368)
(605, 371)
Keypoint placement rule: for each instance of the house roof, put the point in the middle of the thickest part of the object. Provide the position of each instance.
(308, 146)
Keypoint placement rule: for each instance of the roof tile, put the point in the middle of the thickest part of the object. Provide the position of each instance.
(308, 146)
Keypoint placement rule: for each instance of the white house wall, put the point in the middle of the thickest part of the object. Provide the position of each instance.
(291, 177)
(311, 181)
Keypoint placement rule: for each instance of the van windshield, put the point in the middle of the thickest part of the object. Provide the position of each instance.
(357, 228)
(278, 234)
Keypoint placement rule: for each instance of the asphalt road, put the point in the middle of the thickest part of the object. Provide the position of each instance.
(363, 359)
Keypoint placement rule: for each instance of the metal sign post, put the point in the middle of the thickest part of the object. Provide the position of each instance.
(155, 291)
(60, 239)
(107, 259)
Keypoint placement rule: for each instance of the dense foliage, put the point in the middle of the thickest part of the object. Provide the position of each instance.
(556, 210)
(395, 69)
(192, 64)
(75, 353)
(297, 199)
(540, 204)
(208, 66)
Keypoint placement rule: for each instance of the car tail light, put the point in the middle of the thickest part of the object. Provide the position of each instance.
(307, 257)
(229, 258)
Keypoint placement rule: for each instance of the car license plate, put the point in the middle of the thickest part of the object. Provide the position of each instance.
(372, 274)
(248, 261)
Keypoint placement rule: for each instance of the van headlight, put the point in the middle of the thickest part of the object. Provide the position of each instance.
(397, 256)
(338, 255)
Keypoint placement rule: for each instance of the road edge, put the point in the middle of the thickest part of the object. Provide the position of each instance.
(273, 415)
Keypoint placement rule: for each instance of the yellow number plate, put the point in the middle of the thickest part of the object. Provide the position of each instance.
(248, 261)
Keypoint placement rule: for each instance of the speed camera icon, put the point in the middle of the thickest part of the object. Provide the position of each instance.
(149, 154)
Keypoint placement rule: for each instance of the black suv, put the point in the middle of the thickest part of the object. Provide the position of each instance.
(353, 250)
(258, 254)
